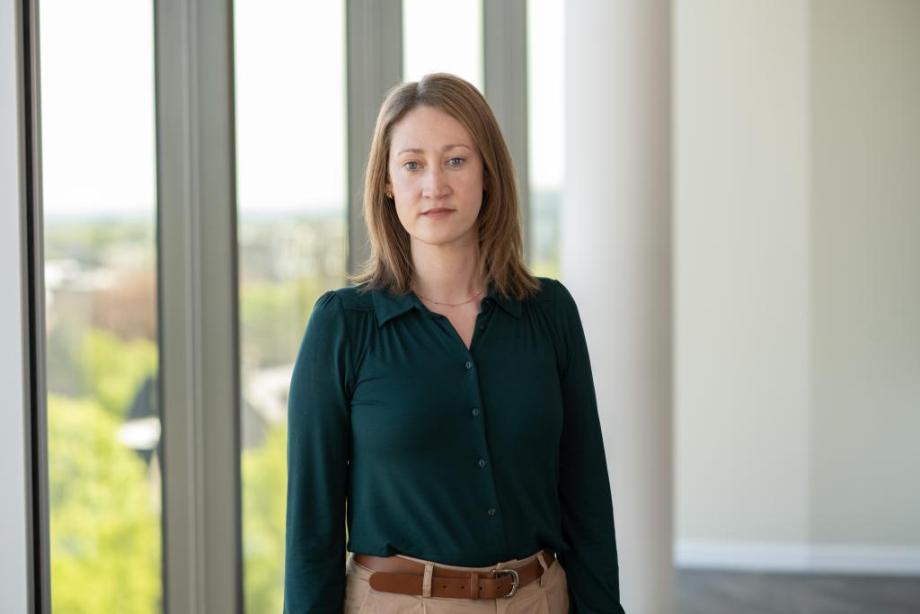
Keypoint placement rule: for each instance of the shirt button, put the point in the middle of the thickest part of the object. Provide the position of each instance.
(482, 327)
(482, 463)
(475, 411)
(469, 364)
(491, 511)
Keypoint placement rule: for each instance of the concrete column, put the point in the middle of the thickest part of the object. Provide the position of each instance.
(616, 260)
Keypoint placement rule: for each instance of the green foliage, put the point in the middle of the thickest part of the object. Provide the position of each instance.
(105, 535)
(113, 369)
(105, 525)
(264, 477)
(272, 318)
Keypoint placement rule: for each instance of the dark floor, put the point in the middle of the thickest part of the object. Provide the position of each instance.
(721, 592)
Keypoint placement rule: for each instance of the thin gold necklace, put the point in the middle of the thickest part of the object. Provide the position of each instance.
(450, 304)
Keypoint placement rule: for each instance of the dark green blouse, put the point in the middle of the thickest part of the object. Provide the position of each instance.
(466, 457)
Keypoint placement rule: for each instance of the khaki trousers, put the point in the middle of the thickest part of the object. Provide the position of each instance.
(547, 595)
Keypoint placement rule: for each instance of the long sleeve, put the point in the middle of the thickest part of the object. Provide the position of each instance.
(584, 488)
(317, 456)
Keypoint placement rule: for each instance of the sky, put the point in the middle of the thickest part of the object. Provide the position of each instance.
(97, 97)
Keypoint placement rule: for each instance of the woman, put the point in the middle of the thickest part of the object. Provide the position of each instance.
(446, 397)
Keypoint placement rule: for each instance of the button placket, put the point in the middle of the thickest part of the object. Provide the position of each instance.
(483, 316)
(482, 462)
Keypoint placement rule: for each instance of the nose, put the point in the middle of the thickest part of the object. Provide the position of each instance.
(435, 184)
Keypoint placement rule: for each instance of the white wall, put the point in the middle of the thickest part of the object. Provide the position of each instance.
(741, 270)
(865, 245)
(797, 288)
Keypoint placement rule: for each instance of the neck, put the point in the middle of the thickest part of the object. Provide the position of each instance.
(446, 273)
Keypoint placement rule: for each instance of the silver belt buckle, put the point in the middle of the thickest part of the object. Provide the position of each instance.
(515, 579)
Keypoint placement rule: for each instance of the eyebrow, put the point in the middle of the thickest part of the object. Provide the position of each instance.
(446, 147)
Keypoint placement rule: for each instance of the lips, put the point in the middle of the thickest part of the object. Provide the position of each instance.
(436, 212)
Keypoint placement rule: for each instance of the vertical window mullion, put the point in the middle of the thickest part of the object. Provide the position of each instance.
(504, 37)
(24, 570)
(199, 360)
(374, 56)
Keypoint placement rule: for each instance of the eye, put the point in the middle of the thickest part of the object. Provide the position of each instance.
(460, 163)
(406, 165)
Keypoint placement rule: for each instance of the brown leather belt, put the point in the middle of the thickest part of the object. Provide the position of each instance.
(394, 574)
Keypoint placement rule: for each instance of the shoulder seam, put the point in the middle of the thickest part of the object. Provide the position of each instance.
(350, 349)
(545, 295)
(353, 302)
(560, 329)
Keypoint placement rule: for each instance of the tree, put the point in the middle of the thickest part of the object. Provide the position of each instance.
(105, 518)
(264, 484)
(113, 370)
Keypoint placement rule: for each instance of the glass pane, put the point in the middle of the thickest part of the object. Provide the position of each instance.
(291, 169)
(99, 187)
(442, 36)
(545, 96)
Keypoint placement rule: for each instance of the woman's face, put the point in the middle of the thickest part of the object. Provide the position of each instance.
(436, 178)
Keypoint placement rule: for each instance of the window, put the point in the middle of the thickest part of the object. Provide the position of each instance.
(99, 193)
(545, 97)
(99, 189)
(291, 170)
(440, 36)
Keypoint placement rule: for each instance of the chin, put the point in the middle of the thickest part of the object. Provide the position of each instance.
(441, 238)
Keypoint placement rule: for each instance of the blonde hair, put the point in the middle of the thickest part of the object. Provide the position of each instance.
(501, 244)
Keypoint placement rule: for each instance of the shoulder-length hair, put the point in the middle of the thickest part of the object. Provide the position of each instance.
(501, 260)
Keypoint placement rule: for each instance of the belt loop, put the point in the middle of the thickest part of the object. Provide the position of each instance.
(426, 580)
(543, 565)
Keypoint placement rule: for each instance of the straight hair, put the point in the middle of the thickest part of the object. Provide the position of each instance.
(501, 245)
